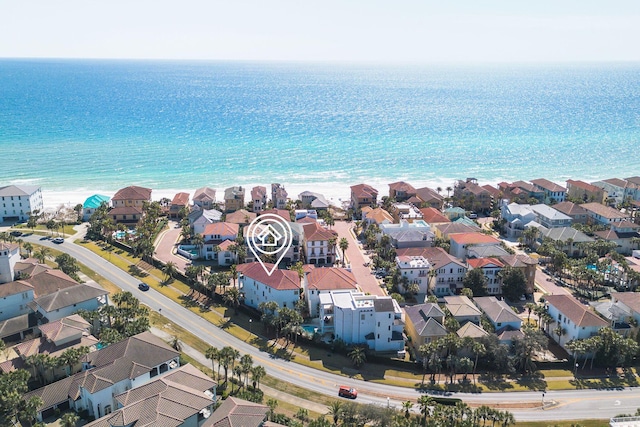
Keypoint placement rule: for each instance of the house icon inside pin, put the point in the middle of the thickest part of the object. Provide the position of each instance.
(269, 237)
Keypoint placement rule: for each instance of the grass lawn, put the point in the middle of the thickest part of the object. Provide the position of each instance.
(238, 325)
(583, 423)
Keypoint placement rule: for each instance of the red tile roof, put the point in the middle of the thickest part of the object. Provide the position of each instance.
(280, 279)
(258, 192)
(280, 212)
(225, 245)
(329, 279)
(433, 215)
(583, 185)
(402, 186)
(222, 229)
(472, 238)
(180, 199)
(315, 232)
(484, 262)
(133, 193)
(548, 185)
(364, 190)
(241, 216)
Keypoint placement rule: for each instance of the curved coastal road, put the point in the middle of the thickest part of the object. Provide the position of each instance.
(567, 404)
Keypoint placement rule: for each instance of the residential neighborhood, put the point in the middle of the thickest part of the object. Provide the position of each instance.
(395, 277)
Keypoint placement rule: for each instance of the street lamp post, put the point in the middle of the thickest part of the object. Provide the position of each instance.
(250, 323)
(543, 400)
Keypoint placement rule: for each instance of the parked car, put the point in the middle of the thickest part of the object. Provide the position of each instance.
(16, 233)
(348, 392)
(143, 286)
(58, 240)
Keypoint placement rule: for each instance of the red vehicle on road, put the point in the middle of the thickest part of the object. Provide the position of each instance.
(349, 392)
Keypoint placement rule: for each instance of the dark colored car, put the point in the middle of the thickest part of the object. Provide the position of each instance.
(16, 233)
(58, 240)
(143, 286)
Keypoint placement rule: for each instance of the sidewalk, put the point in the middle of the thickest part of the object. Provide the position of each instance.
(277, 394)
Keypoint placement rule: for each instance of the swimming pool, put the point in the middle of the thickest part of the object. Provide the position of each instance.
(310, 329)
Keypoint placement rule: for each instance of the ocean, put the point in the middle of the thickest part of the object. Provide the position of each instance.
(78, 127)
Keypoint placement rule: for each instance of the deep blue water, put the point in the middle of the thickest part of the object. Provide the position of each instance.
(68, 124)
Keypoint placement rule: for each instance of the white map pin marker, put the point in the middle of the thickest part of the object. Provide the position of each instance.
(269, 234)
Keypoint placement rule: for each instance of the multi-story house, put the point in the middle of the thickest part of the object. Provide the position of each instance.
(363, 195)
(549, 217)
(568, 239)
(356, 318)
(414, 269)
(577, 320)
(585, 192)
(473, 197)
(128, 202)
(428, 198)
(577, 213)
(9, 256)
(527, 265)
(119, 367)
(405, 211)
(19, 201)
(233, 199)
(462, 309)
(319, 245)
(215, 235)
(205, 198)
(499, 313)
(605, 215)
(619, 190)
(623, 234)
(283, 286)
(199, 218)
(447, 272)
(553, 192)
(241, 217)
(178, 204)
(259, 198)
(279, 196)
(311, 200)
(516, 217)
(376, 216)
(424, 324)
(520, 192)
(462, 242)
(91, 204)
(321, 281)
(293, 253)
(491, 268)
(184, 397)
(401, 191)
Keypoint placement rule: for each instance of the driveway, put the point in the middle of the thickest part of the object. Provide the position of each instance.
(166, 245)
(367, 282)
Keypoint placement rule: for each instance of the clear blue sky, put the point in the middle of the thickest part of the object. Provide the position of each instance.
(310, 30)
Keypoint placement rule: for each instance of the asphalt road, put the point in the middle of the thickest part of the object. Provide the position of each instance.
(568, 404)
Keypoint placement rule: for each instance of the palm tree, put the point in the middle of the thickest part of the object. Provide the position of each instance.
(41, 255)
(560, 332)
(257, 373)
(175, 343)
(213, 354)
(233, 271)
(406, 406)
(246, 363)
(169, 271)
(28, 247)
(478, 349)
(343, 244)
(425, 402)
(530, 306)
(70, 419)
(335, 410)
(358, 356)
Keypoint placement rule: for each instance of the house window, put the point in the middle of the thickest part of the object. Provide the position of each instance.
(362, 316)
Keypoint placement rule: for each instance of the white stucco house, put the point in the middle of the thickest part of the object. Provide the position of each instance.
(416, 270)
(18, 201)
(283, 286)
(324, 280)
(357, 318)
(576, 319)
(9, 256)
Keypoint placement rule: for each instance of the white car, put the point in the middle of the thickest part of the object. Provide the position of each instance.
(58, 240)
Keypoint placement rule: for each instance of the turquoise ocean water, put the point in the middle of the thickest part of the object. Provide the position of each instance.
(72, 125)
